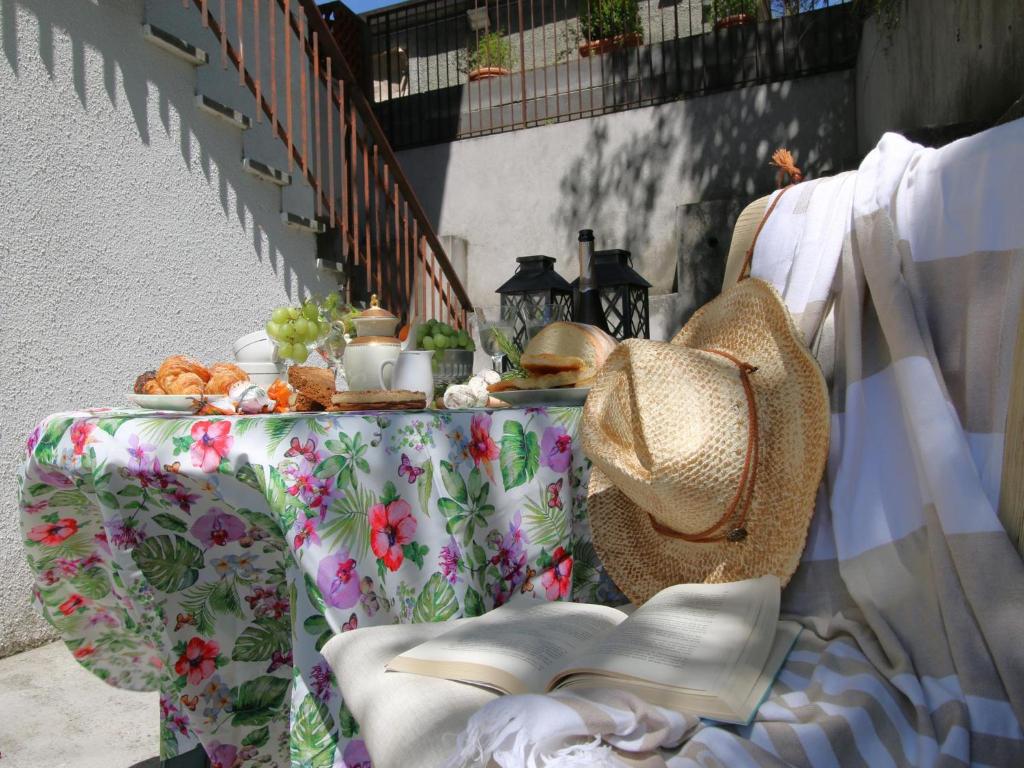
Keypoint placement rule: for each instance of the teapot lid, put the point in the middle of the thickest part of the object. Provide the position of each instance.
(375, 310)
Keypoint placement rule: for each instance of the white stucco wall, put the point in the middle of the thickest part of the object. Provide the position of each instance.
(624, 174)
(128, 232)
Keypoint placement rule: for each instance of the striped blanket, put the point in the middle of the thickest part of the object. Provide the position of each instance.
(907, 276)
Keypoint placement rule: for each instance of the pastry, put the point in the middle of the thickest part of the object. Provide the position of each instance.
(222, 376)
(378, 400)
(561, 355)
(315, 383)
(146, 384)
(180, 375)
(282, 394)
(303, 403)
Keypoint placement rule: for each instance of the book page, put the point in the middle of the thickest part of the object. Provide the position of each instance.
(689, 636)
(526, 639)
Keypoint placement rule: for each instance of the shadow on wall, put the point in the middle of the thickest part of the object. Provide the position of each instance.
(716, 150)
(218, 150)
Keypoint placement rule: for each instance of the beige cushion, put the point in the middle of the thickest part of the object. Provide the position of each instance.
(406, 720)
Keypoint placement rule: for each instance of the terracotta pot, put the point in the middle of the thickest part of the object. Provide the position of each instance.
(482, 73)
(736, 20)
(609, 44)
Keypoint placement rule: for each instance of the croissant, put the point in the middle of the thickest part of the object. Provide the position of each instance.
(146, 384)
(180, 375)
(222, 376)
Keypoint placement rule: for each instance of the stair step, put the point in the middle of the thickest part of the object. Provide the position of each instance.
(265, 172)
(180, 48)
(223, 111)
(316, 226)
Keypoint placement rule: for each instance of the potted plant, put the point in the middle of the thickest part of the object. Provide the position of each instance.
(492, 57)
(734, 13)
(609, 25)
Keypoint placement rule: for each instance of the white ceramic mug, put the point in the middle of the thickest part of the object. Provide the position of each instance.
(412, 371)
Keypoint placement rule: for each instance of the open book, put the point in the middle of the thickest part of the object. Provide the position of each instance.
(711, 650)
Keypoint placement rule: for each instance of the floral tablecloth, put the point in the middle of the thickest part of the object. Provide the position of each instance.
(211, 558)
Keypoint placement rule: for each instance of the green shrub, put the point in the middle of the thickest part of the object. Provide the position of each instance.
(493, 50)
(722, 8)
(608, 18)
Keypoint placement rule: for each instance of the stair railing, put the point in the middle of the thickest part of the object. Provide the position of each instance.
(334, 140)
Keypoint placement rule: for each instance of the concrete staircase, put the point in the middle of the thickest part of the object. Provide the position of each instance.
(179, 31)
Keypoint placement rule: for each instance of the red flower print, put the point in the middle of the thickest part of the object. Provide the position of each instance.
(80, 432)
(85, 650)
(72, 604)
(558, 578)
(199, 660)
(481, 447)
(52, 534)
(390, 528)
(212, 443)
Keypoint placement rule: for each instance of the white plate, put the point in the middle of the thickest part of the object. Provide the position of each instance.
(165, 402)
(558, 396)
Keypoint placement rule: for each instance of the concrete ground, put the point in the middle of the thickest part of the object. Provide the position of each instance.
(55, 714)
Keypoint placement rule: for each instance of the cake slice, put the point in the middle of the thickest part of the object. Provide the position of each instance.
(317, 384)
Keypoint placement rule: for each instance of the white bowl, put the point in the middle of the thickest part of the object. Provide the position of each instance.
(254, 347)
(263, 374)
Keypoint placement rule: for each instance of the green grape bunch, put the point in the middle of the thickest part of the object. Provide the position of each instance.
(295, 330)
(439, 336)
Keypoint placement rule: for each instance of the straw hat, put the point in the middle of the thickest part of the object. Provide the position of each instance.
(708, 450)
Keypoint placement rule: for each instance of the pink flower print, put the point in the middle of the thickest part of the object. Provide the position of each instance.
(481, 447)
(212, 443)
(217, 528)
(33, 439)
(222, 755)
(449, 560)
(338, 581)
(356, 755)
(199, 660)
(558, 578)
(35, 508)
(184, 499)
(556, 449)
(80, 434)
(320, 679)
(391, 527)
(137, 451)
(51, 534)
(306, 532)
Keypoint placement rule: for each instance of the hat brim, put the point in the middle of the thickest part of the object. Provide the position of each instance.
(792, 401)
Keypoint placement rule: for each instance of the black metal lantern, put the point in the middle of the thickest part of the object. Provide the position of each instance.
(623, 294)
(536, 290)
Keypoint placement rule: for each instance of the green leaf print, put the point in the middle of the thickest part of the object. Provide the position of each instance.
(170, 563)
(454, 483)
(170, 522)
(182, 444)
(415, 552)
(111, 425)
(520, 455)
(168, 742)
(72, 499)
(347, 524)
(437, 601)
(261, 638)
(315, 597)
(474, 604)
(312, 743)
(546, 525)
(45, 450)
(92, 583)
(258, 701)
(349, 726)
(256, 738)
(251, 476)
(425, 486)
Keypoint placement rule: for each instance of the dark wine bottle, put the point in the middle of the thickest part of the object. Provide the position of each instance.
(588, 302)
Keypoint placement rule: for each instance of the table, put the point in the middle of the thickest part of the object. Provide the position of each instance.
(211, 558)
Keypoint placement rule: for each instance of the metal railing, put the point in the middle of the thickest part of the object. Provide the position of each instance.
(449, 69)
(286, 55)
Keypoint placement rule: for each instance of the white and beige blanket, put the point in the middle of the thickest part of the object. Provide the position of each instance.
(908, 277)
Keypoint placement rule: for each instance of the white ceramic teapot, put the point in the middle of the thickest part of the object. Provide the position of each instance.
(375, 344)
